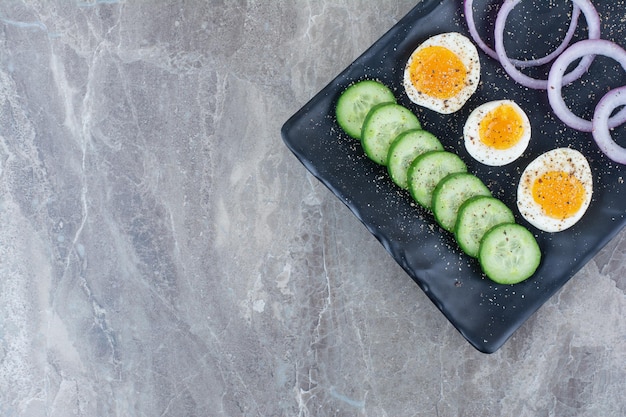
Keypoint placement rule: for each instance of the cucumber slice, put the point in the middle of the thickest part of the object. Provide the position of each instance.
(427, 170)
(451, 192)
(476, 216)
(509, 254)
(404, 149)
(356, 101)
(383, 123)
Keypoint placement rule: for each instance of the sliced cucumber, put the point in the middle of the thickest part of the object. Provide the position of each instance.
(427, 170)
(356, 101)
(405, 148)
(509, 253)
(383, 123)
(451, 192)
(476, 216)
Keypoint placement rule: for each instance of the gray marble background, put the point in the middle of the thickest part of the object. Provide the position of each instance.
(162, 253)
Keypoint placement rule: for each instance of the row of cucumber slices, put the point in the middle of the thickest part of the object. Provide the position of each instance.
(438, 180)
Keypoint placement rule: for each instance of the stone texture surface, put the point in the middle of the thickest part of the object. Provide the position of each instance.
(163, 254)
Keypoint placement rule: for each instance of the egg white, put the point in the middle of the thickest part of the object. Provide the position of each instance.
(465, 50)
(561, 159)
(484, 153)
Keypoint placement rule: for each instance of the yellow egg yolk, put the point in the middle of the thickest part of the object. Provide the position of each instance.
(559, 194)
(437, 72)
(501, 128)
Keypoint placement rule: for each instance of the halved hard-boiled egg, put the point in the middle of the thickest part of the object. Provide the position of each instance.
(497, 132)
(555, 190)
(443, 72)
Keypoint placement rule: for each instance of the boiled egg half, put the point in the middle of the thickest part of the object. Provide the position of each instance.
(497, 132)
(442, 73)
(555, 190)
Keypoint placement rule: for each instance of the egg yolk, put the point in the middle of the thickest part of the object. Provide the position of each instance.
(437, 72)
(501, 128)
(559, 194)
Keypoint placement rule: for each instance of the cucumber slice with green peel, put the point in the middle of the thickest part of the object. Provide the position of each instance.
(427, 170)
(404, 149)
(356, 101)
(451, 192)
(476, 216)
(383, 123)
(509, 254)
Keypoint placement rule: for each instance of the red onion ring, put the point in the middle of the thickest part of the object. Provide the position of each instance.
(601, 133)
(469, 18)
(555, 80)
(593, 24)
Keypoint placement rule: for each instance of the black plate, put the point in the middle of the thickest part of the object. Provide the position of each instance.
(486, 314)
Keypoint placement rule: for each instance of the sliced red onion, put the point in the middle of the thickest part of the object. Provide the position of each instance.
(593, 25)
(581, 49)
(601, 132)
(520, 63)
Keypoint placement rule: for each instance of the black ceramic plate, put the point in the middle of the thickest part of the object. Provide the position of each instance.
(486, 314)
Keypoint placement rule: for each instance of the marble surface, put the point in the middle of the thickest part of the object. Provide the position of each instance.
(162, 253)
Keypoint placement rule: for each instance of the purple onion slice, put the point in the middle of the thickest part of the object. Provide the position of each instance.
(593, 24)
(601, 130)
(520, 63)
(581, 49)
